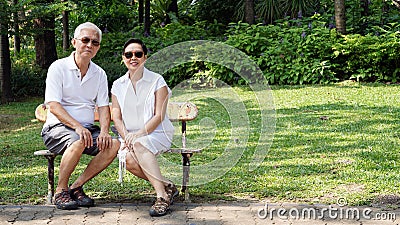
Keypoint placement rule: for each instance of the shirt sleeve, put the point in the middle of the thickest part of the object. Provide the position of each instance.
(161, 83)
(102, 98)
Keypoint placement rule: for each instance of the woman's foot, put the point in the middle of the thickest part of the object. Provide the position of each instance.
(171, 191)
(160, 207)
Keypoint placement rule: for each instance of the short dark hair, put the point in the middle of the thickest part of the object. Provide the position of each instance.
(138, 41)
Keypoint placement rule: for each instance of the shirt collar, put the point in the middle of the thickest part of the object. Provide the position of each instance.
(71, 62)
(72, 65)
(146, 75)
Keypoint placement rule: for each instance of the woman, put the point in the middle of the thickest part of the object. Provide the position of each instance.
(139, 102)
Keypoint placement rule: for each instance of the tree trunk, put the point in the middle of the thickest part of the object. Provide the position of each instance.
(141, 11)
(5, 65)
(172, 8)
(45, 41)
(147, 18)
(249, 12)
(17, 39)
(340, 16)
(66, 40)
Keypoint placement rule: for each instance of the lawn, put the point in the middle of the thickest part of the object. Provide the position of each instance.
(329, 142)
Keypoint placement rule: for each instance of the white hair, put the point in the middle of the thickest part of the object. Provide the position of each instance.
(87, 25)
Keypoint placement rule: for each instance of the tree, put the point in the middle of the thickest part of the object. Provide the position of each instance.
(17, 39)
(5, 61)
(249, 12)
(141, 11)
(45, 39)
(340, 16)
(66, 41)
(147, 21)
(5, 64)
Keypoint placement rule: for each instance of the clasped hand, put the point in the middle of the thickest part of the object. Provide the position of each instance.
(130, 139)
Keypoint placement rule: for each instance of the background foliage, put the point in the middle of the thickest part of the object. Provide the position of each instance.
(299, 46)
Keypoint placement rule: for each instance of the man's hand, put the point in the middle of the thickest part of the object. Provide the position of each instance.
(85, 136)
(104, 141)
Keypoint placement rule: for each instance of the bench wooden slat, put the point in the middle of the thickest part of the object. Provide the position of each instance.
(44, 153)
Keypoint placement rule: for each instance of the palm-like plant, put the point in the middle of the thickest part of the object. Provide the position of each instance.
(270, 10)
(295, 8)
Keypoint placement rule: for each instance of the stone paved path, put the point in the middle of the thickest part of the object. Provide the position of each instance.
(237, 213)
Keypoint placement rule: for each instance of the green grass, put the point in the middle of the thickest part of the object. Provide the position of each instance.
(353, 153)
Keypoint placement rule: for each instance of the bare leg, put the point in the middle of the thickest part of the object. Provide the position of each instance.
(97, 164)
(150, 168)
(132, 165)
(68, 163)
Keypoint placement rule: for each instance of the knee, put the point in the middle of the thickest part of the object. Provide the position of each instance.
(139, 149)
(114, 148)
(132, 165)
(115, 145)
(76, 147)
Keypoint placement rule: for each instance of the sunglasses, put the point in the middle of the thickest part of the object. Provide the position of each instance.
(129, 55)
(86, 40)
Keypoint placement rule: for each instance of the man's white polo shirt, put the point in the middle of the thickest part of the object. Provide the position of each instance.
(77, 96)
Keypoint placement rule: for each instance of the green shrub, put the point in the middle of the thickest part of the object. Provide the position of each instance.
(370, 58)
(288, 53)
(27, 81)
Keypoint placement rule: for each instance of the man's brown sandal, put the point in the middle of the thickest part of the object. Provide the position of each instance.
(160, 207)
(63, 200)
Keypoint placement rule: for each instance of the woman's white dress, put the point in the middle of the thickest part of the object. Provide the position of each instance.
(137, 107)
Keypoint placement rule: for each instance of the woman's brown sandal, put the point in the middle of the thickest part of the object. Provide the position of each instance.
(160, 207)
(172, 192)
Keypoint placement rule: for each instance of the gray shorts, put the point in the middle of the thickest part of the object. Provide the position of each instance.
(58, 138)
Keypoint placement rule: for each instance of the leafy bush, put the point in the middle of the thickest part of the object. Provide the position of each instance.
(27, 81)
(370, 58)
(293, 52)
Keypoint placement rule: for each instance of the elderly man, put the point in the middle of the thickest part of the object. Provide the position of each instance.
(74, 86)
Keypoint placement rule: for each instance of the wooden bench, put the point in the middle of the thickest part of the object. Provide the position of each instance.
(177, 111)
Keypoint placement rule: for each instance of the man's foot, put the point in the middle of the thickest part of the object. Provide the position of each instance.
(80, 197)
(172, 192)
(160, 207)
(63, 200)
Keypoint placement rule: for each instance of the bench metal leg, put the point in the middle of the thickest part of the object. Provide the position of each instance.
(50, 178)
(185, 177)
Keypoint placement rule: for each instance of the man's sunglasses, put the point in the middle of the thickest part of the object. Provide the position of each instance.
(129, 55)
(86, 40)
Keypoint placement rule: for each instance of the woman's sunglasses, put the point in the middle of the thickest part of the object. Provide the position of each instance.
(86, 40)
(129, 55)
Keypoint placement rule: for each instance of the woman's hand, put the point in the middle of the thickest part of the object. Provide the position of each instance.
(130, 139)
